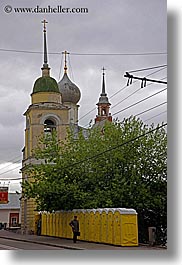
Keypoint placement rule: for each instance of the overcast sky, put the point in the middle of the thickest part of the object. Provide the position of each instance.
(124, 27)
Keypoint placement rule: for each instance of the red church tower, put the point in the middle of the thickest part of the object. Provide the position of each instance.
(103, 104)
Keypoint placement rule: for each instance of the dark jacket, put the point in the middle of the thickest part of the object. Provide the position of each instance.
(75, 225)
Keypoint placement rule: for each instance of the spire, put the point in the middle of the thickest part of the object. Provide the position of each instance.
(103, 104)
(103, 83)
(65, 61)
(45, 68)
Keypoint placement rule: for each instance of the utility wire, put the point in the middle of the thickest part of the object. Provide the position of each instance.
(115, 147)
(9, 170)
(156, 115)
(146, 69)
(10, 164)
(7, 179)
(132, 94)
(117, 92)
(123, 54)
(92, 54)
(156, 106)
(136, 103)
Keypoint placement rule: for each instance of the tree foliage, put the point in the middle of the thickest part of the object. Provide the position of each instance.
(124, 164)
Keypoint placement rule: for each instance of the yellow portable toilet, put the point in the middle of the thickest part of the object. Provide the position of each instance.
(87, 219)
(98, 225)
(70, 215)
(129, 228)
(43, 225)
(61, 224)
(64, 224)
(81, 219)
(51, 224)
(57, 224)
(104, 225)
(36, 218)
(117, 226)
(110, 226)
(92, 225)
(48, 224)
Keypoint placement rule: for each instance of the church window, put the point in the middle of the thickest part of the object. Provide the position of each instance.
(49, 126)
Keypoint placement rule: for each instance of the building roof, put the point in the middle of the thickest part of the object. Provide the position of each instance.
(13, 202)
(69, 91)
(45, 84)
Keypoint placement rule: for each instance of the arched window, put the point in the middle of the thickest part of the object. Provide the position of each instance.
(49, 126)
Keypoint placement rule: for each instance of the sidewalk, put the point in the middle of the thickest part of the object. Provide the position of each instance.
(67, 243)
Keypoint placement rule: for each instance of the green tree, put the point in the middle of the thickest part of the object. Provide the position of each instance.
(122, 164)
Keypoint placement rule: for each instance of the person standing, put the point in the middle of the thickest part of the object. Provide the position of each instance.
(75, 228)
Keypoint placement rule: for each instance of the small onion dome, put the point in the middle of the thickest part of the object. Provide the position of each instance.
(45, 84)
(70, 92)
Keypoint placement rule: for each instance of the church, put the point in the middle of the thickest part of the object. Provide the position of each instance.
(54, 106)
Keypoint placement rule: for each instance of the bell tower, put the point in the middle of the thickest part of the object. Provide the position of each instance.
(103, 104)
(46, 113)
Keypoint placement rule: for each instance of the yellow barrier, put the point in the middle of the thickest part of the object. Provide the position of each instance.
(117, 226)
(129, 228)
(87, 232)
(44, 224)
(57, 224)
(98, 225)
(104, 226)
(53, 224)
(92, 226)
(81, 218)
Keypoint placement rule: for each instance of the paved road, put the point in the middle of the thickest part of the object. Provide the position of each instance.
(7, 244)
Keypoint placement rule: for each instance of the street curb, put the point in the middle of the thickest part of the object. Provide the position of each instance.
(43, 243)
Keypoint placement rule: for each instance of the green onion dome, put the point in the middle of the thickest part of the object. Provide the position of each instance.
(45, 84)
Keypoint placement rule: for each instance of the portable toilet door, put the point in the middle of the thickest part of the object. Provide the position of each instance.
(87, 219)
(64, 224)
(36, 218)
(110, 226)
(98, 225)
(117, 227)
(92, 225)
(48, 224)
(81, 219)
(61, 224)
(43, 225)
(104, 226)
(70, 216)
(57, 224)
(129, 228)
(53, 224)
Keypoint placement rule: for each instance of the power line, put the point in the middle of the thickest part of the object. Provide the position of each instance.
(10, 164)
(92, 54)
(120, 90)
(156, 115)
(136, 103)
(9, 170)
(132, 94)
(7, 179)
(122, 54)
(156, 106)
(115, 147)
(120, 145)
(146, 69)
(143, 79)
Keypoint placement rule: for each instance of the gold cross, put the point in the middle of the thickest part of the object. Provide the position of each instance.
(65, 61)
(103, 69)
(44, 22)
